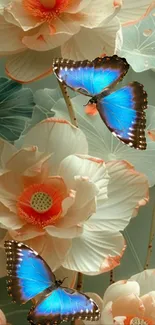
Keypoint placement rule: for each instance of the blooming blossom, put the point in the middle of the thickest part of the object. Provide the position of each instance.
(128, 302)
(32, 32)
(68, 206)
(3, 318)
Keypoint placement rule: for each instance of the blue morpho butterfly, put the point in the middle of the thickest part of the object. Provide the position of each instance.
(122, 110)
(30, 277)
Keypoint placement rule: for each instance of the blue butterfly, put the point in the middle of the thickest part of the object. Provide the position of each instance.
(123, 110)
(31, 278)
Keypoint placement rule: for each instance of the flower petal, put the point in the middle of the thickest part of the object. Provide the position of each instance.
(101, 40)
(23, 159)
(139, 44)
(95, 252)
(98, 12)
(10, 38)
(86, 166)
(131, 12)
(106, 315)
(77, 5)
(10, 187)
(71, 232)
(30, 65)
(52, 249)
(51, 134)
(26, 232)
(47, 38)
(126, 189)
(9, 220)
(6, 152)
(146, 280)
(132, 305)
(2, 318)
(121, 289)
(149, 304)
(21, 16)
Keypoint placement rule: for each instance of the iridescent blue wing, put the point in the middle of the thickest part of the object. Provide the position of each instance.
(63, 304)
(124, 115)
(28, 274)
(90, 77)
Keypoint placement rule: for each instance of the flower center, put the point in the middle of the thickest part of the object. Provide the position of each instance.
(41, 204)
(133, 320)
(45, 10)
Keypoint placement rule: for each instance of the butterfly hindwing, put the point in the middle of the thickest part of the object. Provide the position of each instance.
(28, 273)
(123, 112)
(91, 77)
(63, 304)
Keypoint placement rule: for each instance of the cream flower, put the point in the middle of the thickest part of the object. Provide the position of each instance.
(3, 320)
(68, 206)
(129, 302)
(35, 31)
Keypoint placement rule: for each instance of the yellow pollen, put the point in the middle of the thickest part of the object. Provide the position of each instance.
(138, 321)
(41, 202)
(49, 4)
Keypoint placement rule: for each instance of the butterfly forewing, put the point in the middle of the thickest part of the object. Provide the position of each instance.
(28, 273)
(123, 112)
(91, 77)
(63, 304)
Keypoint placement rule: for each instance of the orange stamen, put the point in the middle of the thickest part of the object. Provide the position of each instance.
(134, 320)
(45, 11)
(41, 204)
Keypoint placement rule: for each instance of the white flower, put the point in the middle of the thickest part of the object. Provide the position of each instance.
(128, 302)
(68, 206)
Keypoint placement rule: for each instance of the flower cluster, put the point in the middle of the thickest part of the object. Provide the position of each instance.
(67, 205)
(32, 32)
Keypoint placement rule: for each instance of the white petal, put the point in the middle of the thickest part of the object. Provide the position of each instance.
(131, 11)
(139, 44)
(84, 205)
(77, 5)
(21, 16)
(58, 137)
(85, 166)
(98, 11)
(10, 38)
(57, 232)
(146, 280)
(53, 250)
(50, 37)
(126, 189)
(101, 40)
(95, 252)
(30, 65)
(106, 316)
(120, 289)
(6, 152)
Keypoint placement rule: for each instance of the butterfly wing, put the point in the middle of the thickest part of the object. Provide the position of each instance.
(124, 115)
(90, 77)
(63, 304)
(28, 273)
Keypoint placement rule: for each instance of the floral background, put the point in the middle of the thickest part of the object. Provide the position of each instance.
(22, 107)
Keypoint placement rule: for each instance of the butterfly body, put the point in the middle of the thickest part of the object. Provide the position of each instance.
(30, 278)
(122, 110)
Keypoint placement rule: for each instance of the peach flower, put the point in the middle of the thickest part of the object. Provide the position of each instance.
(32, 32)
(3, 320)
(129, 302)
(68, 206)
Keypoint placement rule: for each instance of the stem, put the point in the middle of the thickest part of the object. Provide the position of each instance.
(152, 233)
(79, 285)
(68, 103)
(112, 277)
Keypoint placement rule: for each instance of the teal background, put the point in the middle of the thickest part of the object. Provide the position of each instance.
(136, 234)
